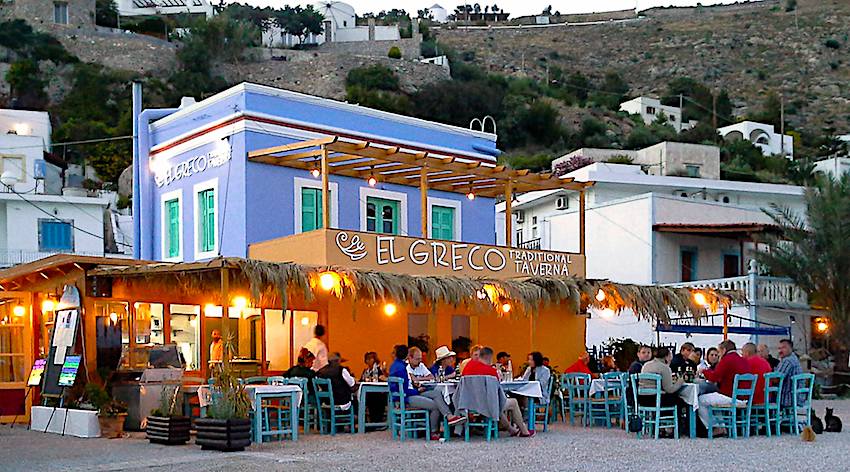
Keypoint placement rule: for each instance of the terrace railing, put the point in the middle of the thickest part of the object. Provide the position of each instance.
(12, 257)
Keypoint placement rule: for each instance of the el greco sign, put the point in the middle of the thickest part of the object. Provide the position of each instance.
(402, 254)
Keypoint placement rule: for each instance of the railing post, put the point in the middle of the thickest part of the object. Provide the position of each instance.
(752, 295)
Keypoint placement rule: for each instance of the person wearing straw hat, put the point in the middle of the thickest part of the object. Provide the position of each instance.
(445, 362)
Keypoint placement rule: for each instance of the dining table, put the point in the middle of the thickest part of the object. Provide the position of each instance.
(257, 395)
(363, 389)
(530, 389)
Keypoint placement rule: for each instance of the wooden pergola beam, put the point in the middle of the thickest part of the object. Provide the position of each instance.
(292, 147)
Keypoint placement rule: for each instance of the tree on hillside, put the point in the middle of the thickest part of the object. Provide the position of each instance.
(698, 101)
(814, 253)
(300, 22)
(106, 13)
(611, 92)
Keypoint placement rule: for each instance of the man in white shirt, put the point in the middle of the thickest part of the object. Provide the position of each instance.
(416, 369)
(318, 348)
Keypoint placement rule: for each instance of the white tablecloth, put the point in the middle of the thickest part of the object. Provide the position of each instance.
(204, 392)
(519, 387)
(689, 392)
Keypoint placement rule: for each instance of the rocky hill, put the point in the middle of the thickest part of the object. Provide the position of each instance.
(748, 50)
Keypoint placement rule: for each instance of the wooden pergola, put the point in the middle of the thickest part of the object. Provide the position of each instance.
(436, 170)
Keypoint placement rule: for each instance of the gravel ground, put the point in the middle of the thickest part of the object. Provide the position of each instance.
(561, 448)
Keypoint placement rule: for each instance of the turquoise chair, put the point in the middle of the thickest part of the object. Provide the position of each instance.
(734, 416)
(309, 414)
(258, 380)
(331, 416)
(541, 411)
(656, 416)
(405, 421)
(578, 396)
(799, 414)
(624, 394)
(769, 413)
(475, 419)
(609, 403)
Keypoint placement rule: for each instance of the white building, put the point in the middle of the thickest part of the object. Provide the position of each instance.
(650, 109)
(36, 219)
(834, 167)
(764, 136)
(164, 7)
(666, 158)
(648, 229)
(438, 13)
(339, 25)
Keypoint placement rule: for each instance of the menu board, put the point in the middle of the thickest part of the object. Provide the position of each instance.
(69, 371)
(36, 373)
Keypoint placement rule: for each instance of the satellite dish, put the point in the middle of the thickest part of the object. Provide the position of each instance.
(8, 179)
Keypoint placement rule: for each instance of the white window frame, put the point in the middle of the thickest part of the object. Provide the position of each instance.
(67, 19)
(20, 166)
(172, 195)
(211, 184)
(366, 192)
(301, 183)
(445, 202)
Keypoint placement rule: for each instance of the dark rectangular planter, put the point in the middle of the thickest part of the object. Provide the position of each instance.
(168, 430)
(223, 435)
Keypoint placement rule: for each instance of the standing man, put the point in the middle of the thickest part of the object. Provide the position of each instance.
(216, 347)
(318, 348)
(789, 365)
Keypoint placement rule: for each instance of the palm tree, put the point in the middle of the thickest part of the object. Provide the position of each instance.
(813, 251)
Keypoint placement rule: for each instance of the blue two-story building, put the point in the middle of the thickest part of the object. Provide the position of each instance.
(199, 195)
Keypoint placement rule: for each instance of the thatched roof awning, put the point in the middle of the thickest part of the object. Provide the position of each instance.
(528, 294)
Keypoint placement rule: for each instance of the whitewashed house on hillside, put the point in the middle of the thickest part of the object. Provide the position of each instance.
(650, 229)
(38, 217)
(438, 13)
(764, 136)
(165, 7)
(339, 25)
(650, 109)
(666, 158)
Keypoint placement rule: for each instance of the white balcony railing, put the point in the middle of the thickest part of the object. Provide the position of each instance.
(760, 290)
(12, 257)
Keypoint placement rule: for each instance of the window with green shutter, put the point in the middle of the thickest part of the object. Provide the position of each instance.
(442, 222)
(311, 209)
(382, 215)
(172, 228)
(206, 220)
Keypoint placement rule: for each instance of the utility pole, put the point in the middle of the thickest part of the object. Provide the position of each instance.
(681, 123)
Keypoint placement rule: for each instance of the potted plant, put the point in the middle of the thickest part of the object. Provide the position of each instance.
(226, 427)
(110, 412)
(164, 424)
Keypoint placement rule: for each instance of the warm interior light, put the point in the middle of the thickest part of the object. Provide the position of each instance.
(315, 173)
(821, 325)
(328, 281)
(209, 310)
(19, 310)
(305, 321)
(700, 299)
(372, 181)
(390, 309)
(113, 317)
(240, 302)
(48, 305)
(600, 295)
(506, 307)
(607, 313)
(470, 196)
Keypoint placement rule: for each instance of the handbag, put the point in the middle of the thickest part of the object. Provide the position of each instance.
(635, 423)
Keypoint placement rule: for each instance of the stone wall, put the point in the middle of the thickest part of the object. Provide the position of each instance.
(124, 51)
(409, 47)
(39, 13)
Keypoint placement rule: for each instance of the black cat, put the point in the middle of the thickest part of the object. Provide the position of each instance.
(833, 423)
(817, 424)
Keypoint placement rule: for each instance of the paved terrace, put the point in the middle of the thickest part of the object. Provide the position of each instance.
(562, 448)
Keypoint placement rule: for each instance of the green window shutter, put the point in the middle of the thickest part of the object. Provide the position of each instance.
(382, 215)
(442, 222)
(206, 219)
(311, 209)
(172, 218)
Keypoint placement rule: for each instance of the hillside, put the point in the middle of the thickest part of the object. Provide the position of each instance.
(749, 51)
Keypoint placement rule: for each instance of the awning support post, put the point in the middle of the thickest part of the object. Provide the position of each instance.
(509, 195)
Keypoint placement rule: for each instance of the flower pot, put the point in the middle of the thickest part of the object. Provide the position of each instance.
(223, 435)
(112, 426)
(168, 430)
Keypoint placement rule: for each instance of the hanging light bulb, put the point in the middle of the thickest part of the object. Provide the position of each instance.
(372, 181)
(390, 309)
(700, 299)
(315, 173)
(19, 311)
(600, 295)
(48, 305)
(506, 307)
(470, 195)
(329, 281)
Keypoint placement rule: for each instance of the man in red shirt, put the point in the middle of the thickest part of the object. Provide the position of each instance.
(758, 366)
(511, 413)
(580, 366)
(730, 365)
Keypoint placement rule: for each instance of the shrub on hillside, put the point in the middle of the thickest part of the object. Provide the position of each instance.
(394, 53)
(574, 163)
(832, 43)
(376, 77)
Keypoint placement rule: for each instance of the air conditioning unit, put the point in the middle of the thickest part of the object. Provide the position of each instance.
(520, 216)
(563, 202)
